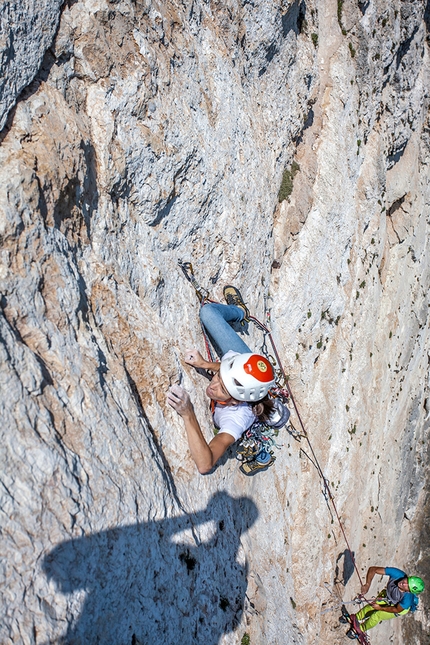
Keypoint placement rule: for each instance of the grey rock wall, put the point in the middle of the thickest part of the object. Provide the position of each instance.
(26, 31)
(159, 131)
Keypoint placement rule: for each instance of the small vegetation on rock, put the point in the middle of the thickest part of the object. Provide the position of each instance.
(339, 16)
(287, 182)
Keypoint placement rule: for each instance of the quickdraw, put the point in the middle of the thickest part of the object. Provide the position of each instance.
(260, 436)
(187, 269)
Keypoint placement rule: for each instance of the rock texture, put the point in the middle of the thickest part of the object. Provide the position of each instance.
(155, 131)
(26, 31)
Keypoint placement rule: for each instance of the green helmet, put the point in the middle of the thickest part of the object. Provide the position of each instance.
(416, 585)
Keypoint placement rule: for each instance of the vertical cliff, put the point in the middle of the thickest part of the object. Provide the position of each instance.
(154, 131)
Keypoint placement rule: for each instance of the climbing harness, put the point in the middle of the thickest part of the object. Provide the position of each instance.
(283, 391)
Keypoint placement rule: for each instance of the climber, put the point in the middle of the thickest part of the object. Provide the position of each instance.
(239, 387)
(397, 599)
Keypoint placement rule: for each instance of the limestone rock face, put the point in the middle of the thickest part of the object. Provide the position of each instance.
(26, 31)
(158, 131)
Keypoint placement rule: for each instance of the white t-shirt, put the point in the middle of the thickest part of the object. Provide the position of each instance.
(234, 419)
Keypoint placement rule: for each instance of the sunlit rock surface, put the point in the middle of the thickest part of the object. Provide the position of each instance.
(158, 131)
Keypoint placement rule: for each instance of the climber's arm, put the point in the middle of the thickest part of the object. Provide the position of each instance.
(205, 455)
(371, 572)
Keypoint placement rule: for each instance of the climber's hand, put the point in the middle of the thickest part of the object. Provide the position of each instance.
(179, 400)
(194, 358)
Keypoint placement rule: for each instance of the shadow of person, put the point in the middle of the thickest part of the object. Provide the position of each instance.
(171, 582)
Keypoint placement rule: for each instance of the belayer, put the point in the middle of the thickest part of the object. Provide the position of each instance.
(238, 390)
(397, 599)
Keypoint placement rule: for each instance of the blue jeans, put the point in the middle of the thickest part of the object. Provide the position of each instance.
(218, 320)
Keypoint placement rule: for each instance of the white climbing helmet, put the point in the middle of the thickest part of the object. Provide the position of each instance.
(247, 377)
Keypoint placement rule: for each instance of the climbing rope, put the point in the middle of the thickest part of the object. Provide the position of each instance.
(286, 390)
(326, 486)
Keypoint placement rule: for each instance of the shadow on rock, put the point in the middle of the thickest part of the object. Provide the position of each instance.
(347, 568)
(168, 581)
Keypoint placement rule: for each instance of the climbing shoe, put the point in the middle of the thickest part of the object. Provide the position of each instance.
(262, 462)
(345, 618)
(351, 634)
(232, 297)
